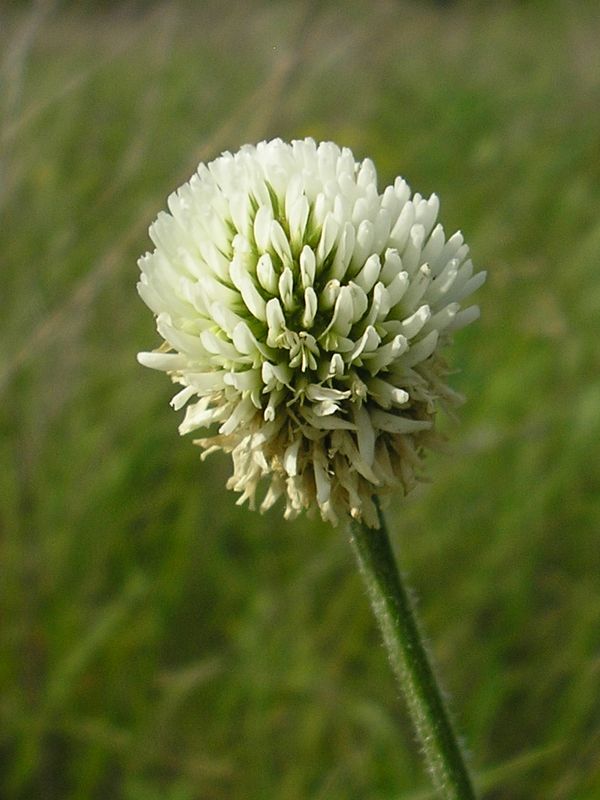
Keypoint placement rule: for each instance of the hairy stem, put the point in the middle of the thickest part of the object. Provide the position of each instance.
(395, 614)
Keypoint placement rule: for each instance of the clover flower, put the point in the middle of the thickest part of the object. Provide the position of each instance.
(302, 313)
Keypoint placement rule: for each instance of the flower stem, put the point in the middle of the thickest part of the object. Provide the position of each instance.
(395, 614)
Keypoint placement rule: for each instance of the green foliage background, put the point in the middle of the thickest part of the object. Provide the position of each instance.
(159, 642)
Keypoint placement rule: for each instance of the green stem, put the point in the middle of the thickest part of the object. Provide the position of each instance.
(395, 614)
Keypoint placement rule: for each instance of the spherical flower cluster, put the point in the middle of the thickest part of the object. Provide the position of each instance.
(302, 312)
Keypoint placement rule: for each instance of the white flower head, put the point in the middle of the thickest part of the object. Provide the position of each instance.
(302, 313)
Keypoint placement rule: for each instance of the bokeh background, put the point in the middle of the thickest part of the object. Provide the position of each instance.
(160, 643)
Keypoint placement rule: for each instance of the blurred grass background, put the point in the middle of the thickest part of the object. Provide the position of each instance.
(159, 642)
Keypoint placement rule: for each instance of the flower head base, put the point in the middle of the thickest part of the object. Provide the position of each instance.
(302, 313)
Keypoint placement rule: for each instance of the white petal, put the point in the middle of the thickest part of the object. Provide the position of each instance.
(286, 289)
(364, 244)
(365, 435)
(392, 266)
(393, 423)
(280, 243)
(325, 423)
(434, 246)
(459, 292)
(239, 206)
(401, 228)
(413, 324)
(311, 305)
(275, 376)
(199, 416)
(463, 318)
(368, 342)
(187, 344)
(246, 342)
(225, 318)
(167, 362)
(360, 302)
(322, 481)
(369, 274)
(344, 251)
(206, 381)
(426, 213)
(397, 288)
(329, 235)
(343, 314)
(411, 254)
(418, 286)
(308, 265)
(217, 346)
(297, 216)
(262, 228)
(329, 294)
(421, 350)
(275, 322)
(240, 416)
(444, 318)
(250, 294)
(386, 394)
(181, 398)
(290, 457)
(336, 366)
(386, 354)
(265, 272)
(318, 393)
